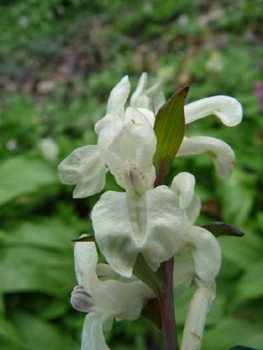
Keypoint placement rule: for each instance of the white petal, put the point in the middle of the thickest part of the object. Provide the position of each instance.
(139, 98)
(151, 99)
(86, 257)
(183, 185)
(206, 252)
(192, 212)
(156, 97)
(81, 165)
(228, 109)
(152, 224)
(220, 153)
(92, 334)
(90, 187)
(148, 114)
(184, 271)
(131, 139)
(118, 97)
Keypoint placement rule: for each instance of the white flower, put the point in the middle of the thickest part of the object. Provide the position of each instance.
(124, 137)
(104, 295)
(199, 256)
(126, 224)
(226, 108)
(128, 140)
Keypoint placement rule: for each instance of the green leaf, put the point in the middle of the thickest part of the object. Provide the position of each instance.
(240, 347)
(153, 279)
(169, 129)
(21, 176)
(251, 283)
(243, 252)
(153, 313)
(90, 238)
(8, 331)
(230, 331)
(218, 229)
(38, 334)
(36, 269)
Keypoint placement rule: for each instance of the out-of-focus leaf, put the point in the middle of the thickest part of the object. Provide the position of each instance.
(49, 233)
(240, 347)
(237, 197)
(54, 309)
(223, 229)
(169, 129)
(251, 283)
(8, 331)
(242, 252)
(36, 269)
(21, 176)
(230, 331)
(40, 335)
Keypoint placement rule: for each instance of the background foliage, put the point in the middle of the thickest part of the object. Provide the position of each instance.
(59, 59)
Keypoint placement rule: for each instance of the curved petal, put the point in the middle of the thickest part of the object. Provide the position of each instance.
(183, 185)
(124, 226)
(192, 212)
(156, 97)
(81, 165)
(86, 258)
(226, 108)
(92, 333)
(118, 97)
(184, 271)
(89, 187)
(139, 98)
(148, 114)
(206, 252)
(220, 153)
(151, 99)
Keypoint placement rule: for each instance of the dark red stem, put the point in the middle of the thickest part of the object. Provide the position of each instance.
(166, 300)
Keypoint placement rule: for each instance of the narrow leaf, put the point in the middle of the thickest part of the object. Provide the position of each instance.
(87, 238)
(218, 229)
(169, 129)
(241, 347)
(153, 279)
(152, 312)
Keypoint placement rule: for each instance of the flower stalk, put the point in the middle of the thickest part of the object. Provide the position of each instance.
(166, 300)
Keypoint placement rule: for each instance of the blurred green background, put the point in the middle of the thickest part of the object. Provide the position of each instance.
(59, 60)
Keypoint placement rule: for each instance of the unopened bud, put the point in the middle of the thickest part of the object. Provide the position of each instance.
(80, 299)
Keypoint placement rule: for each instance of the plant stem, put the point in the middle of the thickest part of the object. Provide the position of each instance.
(166, 301)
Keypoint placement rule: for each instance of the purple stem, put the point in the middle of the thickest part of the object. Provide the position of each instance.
(166, 300)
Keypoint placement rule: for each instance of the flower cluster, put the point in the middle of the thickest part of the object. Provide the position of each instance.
(155, 222)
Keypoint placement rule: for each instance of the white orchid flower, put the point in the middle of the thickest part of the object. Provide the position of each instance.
(103, 295)
(126, 224)
(229, 111)
(199, 256)
(124, 137)
(126, 141)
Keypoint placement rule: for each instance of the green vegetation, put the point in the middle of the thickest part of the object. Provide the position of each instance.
(59, 59)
